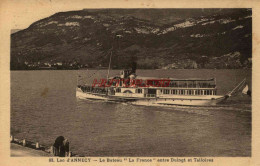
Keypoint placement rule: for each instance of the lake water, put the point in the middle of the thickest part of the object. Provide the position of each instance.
(44, 106)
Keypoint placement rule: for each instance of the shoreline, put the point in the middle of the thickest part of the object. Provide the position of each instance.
(25, 148)
(17, 150)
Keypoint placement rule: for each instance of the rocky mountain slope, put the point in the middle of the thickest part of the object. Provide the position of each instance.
(157, 38)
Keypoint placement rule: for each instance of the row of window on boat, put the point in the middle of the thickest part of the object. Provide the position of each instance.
(179, 92)
(167, 84)
(92, 90)
(188, 92)
(163, 91)
(189, 84)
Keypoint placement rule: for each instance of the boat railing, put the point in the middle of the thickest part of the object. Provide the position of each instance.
(180, 86)
(150, 95)
(193, 86)
(91, 89)
(127, 94)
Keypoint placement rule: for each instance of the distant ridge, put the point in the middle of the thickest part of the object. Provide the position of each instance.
(158, 38)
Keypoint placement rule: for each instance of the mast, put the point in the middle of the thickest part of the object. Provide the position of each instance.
(109, 64)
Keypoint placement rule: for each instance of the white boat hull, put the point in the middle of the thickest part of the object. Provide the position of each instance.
(83, 95)
(153, 101)
(181, 102)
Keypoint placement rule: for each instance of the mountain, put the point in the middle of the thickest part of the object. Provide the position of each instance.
(157, 38)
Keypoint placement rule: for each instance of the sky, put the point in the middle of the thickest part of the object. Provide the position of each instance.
(22, 13)
(25, 12)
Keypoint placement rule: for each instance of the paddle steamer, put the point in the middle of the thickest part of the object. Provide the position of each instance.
(128, 87)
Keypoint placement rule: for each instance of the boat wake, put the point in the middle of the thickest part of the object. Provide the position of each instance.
(202, 110)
